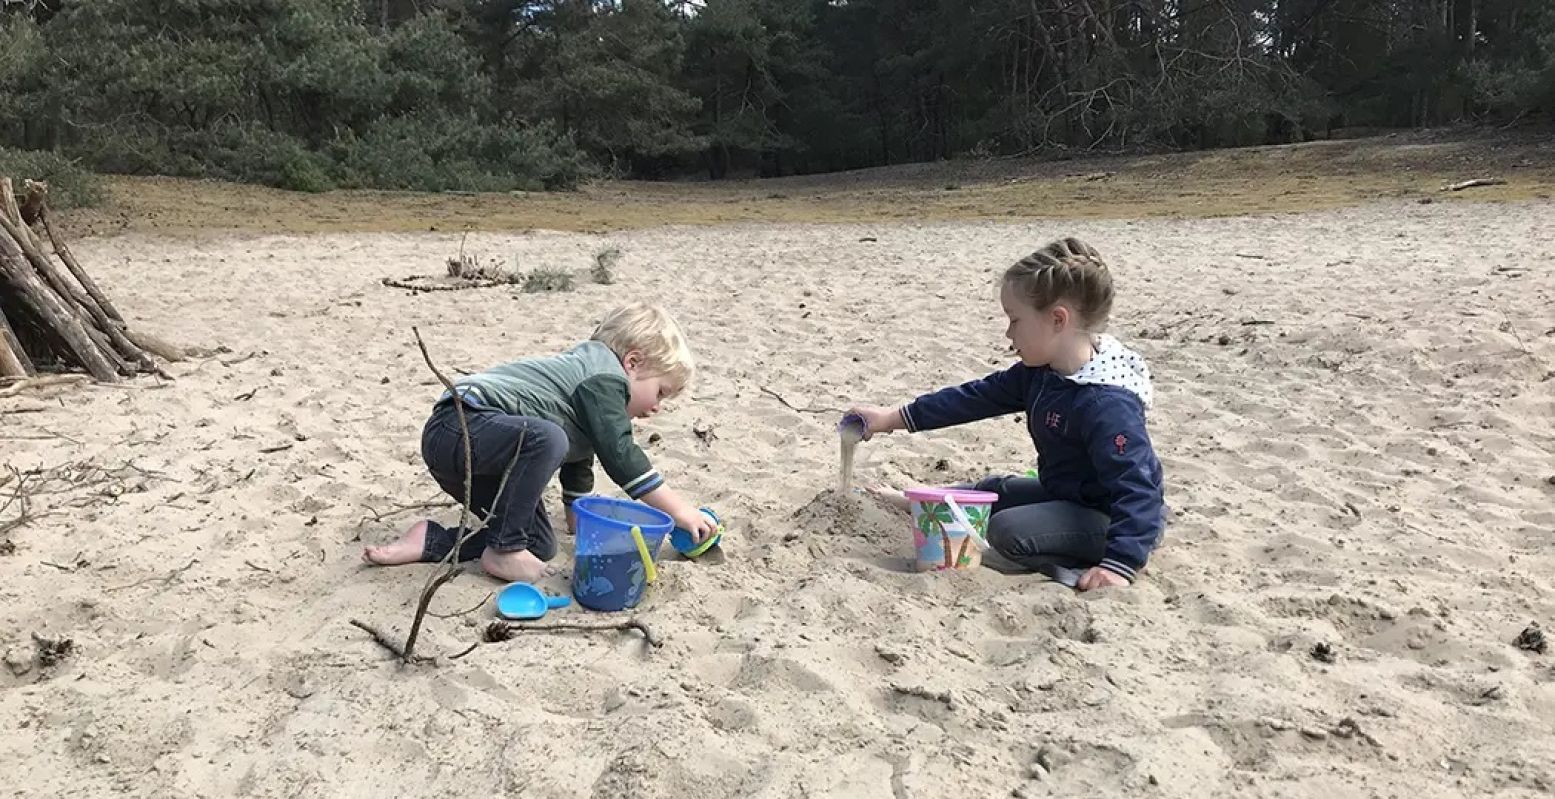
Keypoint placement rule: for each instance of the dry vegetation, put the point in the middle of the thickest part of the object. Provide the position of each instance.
(1302, 177)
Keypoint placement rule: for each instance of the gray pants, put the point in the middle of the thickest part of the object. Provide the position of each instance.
(1036, 533)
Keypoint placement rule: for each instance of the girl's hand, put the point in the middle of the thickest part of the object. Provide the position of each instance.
(878, 419)
(1097, 577)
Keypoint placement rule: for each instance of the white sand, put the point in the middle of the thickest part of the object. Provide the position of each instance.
(1366, 470)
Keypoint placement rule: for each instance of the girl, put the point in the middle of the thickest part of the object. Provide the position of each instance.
(1098, 504)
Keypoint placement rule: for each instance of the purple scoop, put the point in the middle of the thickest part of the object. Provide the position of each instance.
(855, 423)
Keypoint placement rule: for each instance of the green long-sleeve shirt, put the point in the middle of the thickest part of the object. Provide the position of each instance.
(583, 390)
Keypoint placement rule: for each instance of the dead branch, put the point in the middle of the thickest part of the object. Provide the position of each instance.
(1476, 182)
(398, 509)
(40, 382)
(435, 580)
(69, 259)
(499, 631)
(18, 496)
(791, 406)
(166, 579)
(418, 288)
(466, 612)
(388, 643)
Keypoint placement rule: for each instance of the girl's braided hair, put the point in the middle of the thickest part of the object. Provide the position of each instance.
(1068, 271)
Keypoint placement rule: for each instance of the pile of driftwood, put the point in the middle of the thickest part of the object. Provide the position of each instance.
(53, 316)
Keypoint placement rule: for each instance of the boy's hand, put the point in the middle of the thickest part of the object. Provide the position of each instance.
(687, 516)
(878, 419)
(698, 525)
(1097, 577)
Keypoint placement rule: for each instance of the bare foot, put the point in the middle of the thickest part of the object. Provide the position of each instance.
(407, 549)
(888, 497)
(513, 567)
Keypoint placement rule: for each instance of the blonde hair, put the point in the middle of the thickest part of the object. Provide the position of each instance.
(650, 330)
(1068, 271)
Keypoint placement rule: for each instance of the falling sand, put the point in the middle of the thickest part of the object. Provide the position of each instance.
(850, 438)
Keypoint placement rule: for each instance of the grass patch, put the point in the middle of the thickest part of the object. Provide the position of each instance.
(547, 279)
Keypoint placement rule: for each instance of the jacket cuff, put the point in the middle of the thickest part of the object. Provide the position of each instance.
(644, 484)
(1119, 568)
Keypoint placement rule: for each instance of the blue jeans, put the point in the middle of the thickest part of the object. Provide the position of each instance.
(1037, 532)
(518, 518)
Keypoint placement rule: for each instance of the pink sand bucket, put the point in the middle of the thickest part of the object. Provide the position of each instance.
(949, 527)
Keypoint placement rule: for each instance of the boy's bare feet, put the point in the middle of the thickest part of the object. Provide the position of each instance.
(407, 549)
(889, 497)
(513, 567)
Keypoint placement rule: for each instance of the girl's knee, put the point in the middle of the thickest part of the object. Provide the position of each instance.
(993, 484)
(1003, 534)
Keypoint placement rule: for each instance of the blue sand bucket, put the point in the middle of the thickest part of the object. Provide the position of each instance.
(612, 566)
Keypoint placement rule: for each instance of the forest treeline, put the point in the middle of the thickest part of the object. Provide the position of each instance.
(505, 94)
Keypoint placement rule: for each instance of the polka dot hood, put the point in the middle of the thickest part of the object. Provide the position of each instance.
(1116, 365)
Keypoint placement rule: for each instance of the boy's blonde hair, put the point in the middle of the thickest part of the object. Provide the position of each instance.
(650, 330)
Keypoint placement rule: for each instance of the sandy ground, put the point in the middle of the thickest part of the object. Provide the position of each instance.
(1353, 407)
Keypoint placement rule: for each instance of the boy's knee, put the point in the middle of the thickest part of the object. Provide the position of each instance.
(548, 440)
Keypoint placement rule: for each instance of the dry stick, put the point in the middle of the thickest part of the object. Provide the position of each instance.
(398, 509)
(434, 582)
(440, 579)
(467, 650)
(19, 496)
(1519, 336)
(415, 288)
(471, 609)
(106, 348)
(39, 382)
(166, 579)
(501, 631)
(791, 406)
(1469, 184)
(74, 266)
(385, 641)
(139, 338)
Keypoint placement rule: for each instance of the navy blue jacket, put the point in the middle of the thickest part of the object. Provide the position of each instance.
(1092, 448)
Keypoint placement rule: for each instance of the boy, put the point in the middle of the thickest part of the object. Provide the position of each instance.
(558, 412)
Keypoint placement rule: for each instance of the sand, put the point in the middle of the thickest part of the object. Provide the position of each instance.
(1353, 408)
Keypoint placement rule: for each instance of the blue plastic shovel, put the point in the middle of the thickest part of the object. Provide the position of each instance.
(524, 601)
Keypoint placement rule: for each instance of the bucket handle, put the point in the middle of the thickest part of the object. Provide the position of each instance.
(642, 552)
(966, 524)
